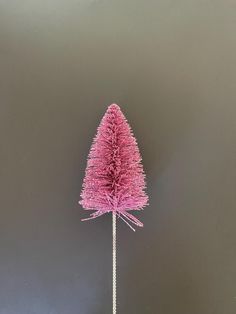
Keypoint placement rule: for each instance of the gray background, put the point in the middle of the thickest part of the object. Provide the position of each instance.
(171, 65)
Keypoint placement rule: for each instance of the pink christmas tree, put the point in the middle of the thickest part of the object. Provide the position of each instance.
(114, 178)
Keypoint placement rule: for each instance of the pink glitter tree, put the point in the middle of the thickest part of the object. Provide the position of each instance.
(114, 178)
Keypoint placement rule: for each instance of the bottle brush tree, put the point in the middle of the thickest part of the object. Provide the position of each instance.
(114, 177)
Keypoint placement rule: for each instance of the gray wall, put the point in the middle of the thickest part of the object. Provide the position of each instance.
(171, 65)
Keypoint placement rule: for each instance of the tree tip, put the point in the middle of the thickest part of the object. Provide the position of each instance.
(114, 106)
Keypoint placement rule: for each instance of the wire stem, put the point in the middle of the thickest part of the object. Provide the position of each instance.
(114, 261)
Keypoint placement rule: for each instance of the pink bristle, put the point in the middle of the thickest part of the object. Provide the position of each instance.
(114, 177)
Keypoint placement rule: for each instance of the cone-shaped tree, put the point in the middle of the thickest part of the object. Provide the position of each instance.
(114, 178)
